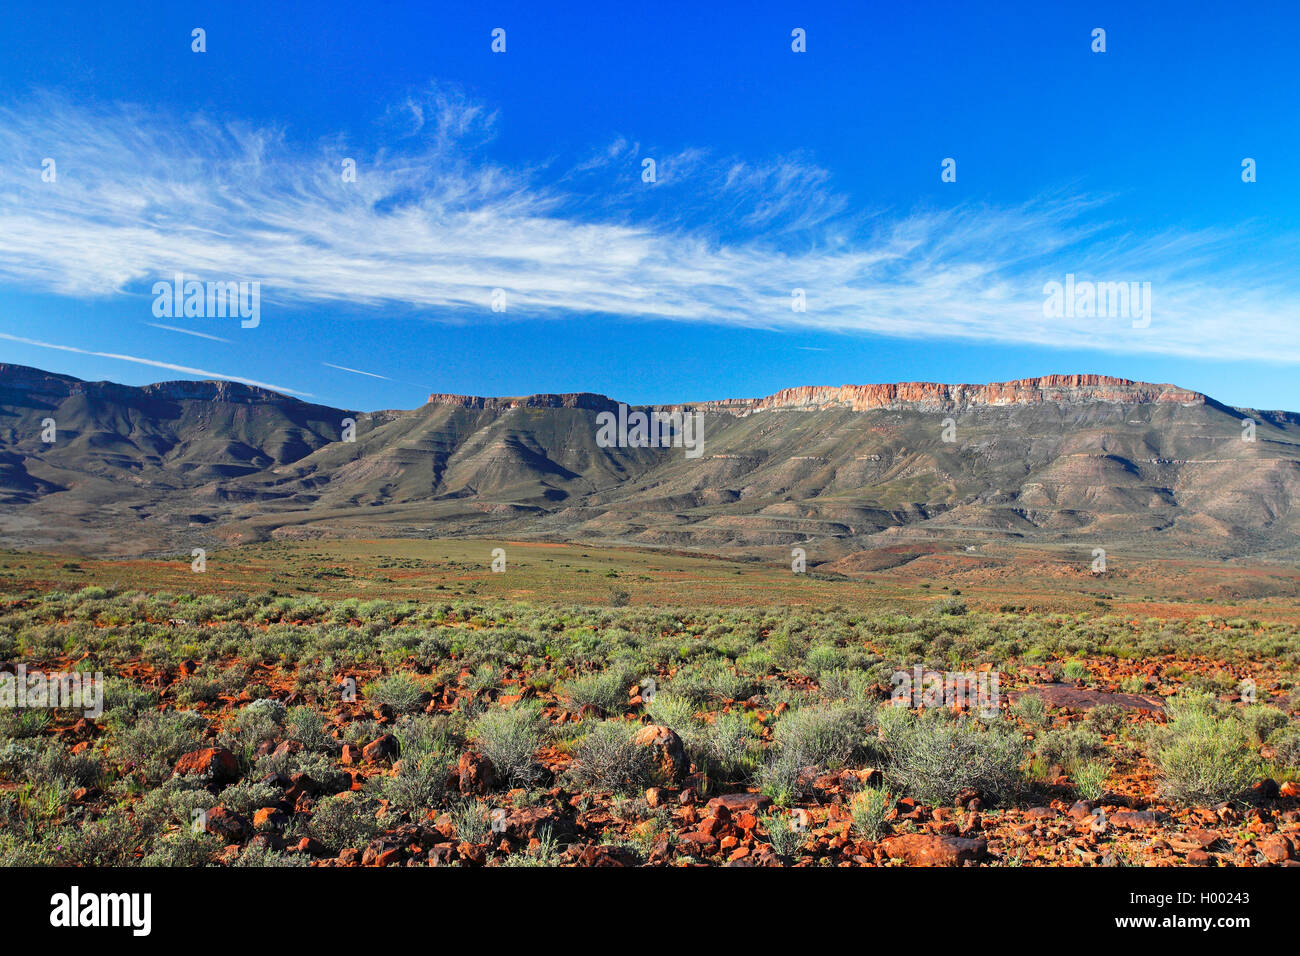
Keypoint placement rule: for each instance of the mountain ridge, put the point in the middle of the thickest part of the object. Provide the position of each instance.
(1069, 388)
(1062, 460)
(1065, 388)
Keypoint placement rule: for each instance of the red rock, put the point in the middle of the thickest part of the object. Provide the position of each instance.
(1079, 698)
(216, 763)
(266, 841)
(444, 854)
(381, 748)
(530, 822)
(714, 825)
(269, 817)
(1134, 819)
(1276, 848)
(309, 845)
(599, 854)
(1267, 788)
(1204, 838)
(741, 802)
(654, 797)
(382, 851)
(287, 747)
(476, 773)
(351, 755)
(925, 849)
(935, 396)
(223, 823)
(471, 853)
(1199, 858)
(667, 751)
(1289, 789)
(697, 844)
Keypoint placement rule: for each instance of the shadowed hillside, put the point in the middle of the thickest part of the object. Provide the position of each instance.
(1064, 459)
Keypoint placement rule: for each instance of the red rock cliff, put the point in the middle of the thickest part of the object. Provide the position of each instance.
(1065, 389)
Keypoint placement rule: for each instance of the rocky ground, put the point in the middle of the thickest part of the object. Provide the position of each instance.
(257, 788)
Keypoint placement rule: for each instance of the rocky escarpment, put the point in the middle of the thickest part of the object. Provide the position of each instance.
(1063, 389)
(569, 400)
(931, 396)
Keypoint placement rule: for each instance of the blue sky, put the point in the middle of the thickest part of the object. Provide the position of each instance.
(775, 170)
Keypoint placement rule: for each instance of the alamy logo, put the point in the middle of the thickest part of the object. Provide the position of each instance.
(1089, 300)
(192, 299)
(956, 689)
(72, 909)
(23, 690)
(654, 429)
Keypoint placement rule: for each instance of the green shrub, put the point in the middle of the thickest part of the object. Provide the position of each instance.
(934, 759)
(782, 833)
(672, 711)
(183, 847)
(151, 744)
(1105, 719)
(824, 736)
(1203, 755)
(869, 807)
(1090, 779)
(1076, 670)
(509, 738)
(1069, 747)
(402, 692)
(1031, 709)
(1262, 720)
(419, 782)
(727, 748)
(345, 820)
(605, 690)
(1286, 746)
(471, 820)
(607, 759)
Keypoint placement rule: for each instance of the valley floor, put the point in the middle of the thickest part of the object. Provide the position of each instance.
(399, 702)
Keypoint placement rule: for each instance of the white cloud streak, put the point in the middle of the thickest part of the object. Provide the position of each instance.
(184, 369)
(197, 335)
(431, 226)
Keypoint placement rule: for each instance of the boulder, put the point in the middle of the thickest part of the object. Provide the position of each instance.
(475, 773)
(216, 763)
(928, 849)
(666, 750)
(381, 748)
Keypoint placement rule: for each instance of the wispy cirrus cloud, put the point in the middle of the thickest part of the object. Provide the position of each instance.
(431, 224)
(191, 332)
(152, 363)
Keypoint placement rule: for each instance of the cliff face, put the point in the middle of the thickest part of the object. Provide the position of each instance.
(569, 400)
(1063, 389)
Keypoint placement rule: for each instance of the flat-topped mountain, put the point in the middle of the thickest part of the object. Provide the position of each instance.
(1079, 460)
(1071, 389)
